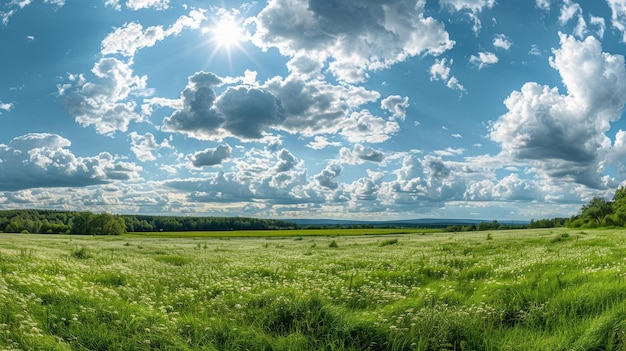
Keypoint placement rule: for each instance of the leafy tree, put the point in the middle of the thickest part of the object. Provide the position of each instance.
(596, 210)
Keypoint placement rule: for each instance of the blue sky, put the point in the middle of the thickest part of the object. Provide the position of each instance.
(343, 109)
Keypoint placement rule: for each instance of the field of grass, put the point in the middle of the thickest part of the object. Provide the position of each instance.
(504, 290)
(286, 233)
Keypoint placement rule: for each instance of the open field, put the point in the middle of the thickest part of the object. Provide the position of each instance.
(554, 289)
(286, 233)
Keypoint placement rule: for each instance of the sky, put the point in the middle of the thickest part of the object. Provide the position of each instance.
(337, 109)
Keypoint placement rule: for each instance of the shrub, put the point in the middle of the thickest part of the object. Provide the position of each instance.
(333, 244)
(81, 253)
(388, 242)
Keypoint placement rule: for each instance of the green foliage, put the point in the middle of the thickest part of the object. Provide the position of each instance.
(57, 222)
(388, 242)
(81, 253)
(436, 292)
(333, 244)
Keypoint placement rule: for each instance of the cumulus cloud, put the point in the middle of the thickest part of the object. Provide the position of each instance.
(321, 142)
(326, 176)
(396, 104)
(354, 37)
(363, 126)
(569, 10)
(600, 25)
(6, 106)
(563, 136)
(618, 16)
(509, 188)
(143, 146)
(248, 112)
(260, 176)
(502, 41)
(197, 117)
(317, 107)
(211, 156)
(105, 105)
(474, 6)
(440, 70)
(43, 160)
(245, 112)
(287, 161)
(484, 59)
(360, 154)
(307, 108)
(15, 5)
(139, 4)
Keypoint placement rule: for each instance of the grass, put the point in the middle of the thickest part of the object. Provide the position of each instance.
(555, 289)
(285, 233)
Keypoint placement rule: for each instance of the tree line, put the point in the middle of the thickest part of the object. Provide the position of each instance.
(73, 222)
(602, 213)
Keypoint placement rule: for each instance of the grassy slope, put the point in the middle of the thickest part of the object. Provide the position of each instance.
(506, 290)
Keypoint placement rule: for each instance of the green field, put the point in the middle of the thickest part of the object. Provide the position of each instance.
(554, 289)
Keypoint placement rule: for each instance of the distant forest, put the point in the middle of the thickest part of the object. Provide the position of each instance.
(597, 213)
(70, 222)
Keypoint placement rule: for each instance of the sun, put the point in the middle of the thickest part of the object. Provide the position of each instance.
(227, 33)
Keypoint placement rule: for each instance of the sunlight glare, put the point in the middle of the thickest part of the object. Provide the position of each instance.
(227, 33)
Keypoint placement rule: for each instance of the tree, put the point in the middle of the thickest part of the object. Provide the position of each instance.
(596, 210)
(81, 223)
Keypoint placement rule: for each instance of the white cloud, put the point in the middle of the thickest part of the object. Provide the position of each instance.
(325, 178)
(569, 10)
(472, 5)
(317, 107)
(144, 4)
(40, 160)
(534, 50)
(359, 154)
(106, 105)
(581, 27)
(440, 70)
(618, 16)
(305, 107)
(321, 142)
(259, 177)
(484, 59)
(129, 38)
(204, 116)
(563, 136)
(543, 5)
(396, 104)
(599, 23)
(143, 146)
(502, 41)
(139, 4)
(364, 126)
(6, 106)
(509, 188)
(353, 39)
(454, 84)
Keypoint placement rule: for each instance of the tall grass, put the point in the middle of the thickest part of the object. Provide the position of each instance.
(521, 290)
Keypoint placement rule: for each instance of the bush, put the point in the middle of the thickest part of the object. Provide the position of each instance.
(388, 242)
(81, 253)
(333, 244)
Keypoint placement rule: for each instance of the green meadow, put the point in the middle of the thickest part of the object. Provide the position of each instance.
(558, 289)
